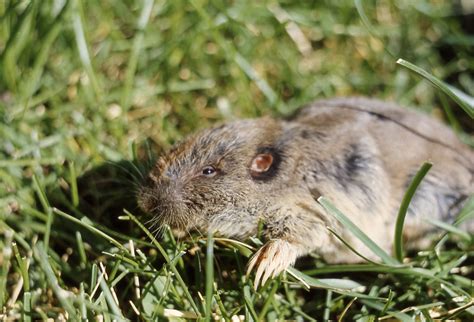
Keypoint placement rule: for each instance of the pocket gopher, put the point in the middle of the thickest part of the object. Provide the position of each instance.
(359, 153)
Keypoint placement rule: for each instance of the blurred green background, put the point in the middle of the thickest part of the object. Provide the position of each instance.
(83, 83)
(82, 79)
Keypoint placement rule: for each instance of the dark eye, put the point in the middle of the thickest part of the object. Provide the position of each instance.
(209, 171)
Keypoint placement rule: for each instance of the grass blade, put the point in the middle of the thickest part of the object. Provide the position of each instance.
(111, 301)
(93, 282)
(346, 222)
(249, 302)
(47, 208)
(62, 295)
(167, 259)
(34, 79)
(269, 300)
(467, 213)
(340, 286)
(82, 47)
(81, 249)
(16, 42)
(398, 315)
(445, 88)
(73, 183)
(84, 223)
(450, 228)
(220, 304)
(82, 302)
(410, 192)
(355, 251)
(5, 264)
(209, 275)
(327, 306)
(26, 314)
(136, 48)
(341, 317)
(23, 264)
(402, 270)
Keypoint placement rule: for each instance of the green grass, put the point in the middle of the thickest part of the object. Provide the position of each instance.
(92, 91)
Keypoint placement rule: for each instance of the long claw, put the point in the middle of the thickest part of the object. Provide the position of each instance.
(267, 274)
(251, 264)
(272, 259)
(258, 275)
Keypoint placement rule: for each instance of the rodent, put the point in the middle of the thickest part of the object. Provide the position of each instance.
(359, 153)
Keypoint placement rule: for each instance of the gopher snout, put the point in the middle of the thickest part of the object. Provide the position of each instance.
(162, 200)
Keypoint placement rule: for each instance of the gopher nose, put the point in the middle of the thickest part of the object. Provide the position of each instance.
(165, 195)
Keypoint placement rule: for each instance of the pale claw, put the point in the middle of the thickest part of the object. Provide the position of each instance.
(272, 259)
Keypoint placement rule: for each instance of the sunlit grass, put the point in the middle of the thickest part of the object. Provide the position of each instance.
(91, 92)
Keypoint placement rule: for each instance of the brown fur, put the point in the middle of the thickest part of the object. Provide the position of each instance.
(359, 153)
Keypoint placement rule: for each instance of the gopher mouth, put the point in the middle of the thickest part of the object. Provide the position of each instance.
(164, 213)
(180, 225)
(159, 221)
(160, 216)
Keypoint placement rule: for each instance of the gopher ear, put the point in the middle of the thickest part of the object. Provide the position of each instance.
(261, 163)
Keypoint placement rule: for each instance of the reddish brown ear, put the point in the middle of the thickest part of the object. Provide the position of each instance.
(261, 163)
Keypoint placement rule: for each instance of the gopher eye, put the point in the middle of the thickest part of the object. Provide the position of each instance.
(209, 171)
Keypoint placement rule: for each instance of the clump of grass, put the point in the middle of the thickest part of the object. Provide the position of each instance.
(91, 91)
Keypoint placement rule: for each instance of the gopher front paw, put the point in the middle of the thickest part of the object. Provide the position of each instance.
(272, 259)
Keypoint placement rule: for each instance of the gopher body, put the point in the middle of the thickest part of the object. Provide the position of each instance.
(359, 153)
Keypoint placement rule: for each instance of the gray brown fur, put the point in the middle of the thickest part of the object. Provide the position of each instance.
(359, 153)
